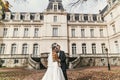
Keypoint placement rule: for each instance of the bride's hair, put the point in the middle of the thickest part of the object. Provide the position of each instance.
(50, 58)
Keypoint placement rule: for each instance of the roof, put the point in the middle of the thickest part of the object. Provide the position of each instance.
(105, 9)
(55, 0)
(50, 5)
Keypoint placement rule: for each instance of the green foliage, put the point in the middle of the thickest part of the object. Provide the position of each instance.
(1, 9)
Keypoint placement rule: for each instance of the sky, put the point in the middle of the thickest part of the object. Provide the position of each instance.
(90, 6)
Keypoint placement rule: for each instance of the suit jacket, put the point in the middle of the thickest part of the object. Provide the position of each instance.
(62, 57)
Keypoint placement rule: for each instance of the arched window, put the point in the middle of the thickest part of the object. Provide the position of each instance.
(24, 49)
(93, 48)
(13, 48)
(73, 48)
(35, 49)
(2, 48)
(84, 48)
(55, 7)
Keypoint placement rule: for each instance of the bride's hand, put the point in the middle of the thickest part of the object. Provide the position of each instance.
(59, 60)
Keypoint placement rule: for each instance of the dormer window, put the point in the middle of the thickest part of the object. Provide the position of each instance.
(17, 16)
(109, 3)
(59, 7)
(113, 1)
(72, 17)
(27, 16)
(37, 16)
(90, 18)
(111, 15)
(55, 7)
(99, 18)
(7, 16)
(81, 18)
(85, 17)
(94, 17)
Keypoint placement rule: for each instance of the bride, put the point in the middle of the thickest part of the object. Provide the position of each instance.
(54, 71)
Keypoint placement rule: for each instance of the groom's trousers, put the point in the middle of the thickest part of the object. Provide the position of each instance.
(65, 74)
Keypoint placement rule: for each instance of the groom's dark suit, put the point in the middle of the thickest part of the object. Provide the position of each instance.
(62, 58)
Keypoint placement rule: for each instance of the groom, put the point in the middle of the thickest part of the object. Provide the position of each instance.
(62, 58)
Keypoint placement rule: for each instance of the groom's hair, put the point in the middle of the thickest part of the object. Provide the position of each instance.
(58, 46)
(54, 45)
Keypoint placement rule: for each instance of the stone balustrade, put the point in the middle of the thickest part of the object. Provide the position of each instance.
(85, 17)
(7, 56)
(96, 55)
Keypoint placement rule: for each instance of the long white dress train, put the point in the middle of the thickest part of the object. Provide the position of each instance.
(54, 72)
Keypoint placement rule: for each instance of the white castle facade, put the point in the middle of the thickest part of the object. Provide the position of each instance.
(85, 35)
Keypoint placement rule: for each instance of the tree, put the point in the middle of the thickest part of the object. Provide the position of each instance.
(78, 2)
(20, 0)
(1, 9)
(84, 5)
(5, 5)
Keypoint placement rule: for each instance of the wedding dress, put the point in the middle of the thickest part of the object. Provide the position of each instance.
(54, 71)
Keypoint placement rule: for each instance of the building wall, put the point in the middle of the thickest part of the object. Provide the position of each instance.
(68, 33)
(112, 19)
